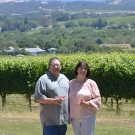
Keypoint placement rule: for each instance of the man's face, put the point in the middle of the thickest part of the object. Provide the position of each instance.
(55, 67)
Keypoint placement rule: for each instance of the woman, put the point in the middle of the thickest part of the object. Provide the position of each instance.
(85, 101)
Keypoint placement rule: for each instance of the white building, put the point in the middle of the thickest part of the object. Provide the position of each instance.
(10, 49)
(52, 50)
(35, 51)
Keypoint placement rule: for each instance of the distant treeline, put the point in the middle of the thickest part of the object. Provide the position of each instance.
(37, 6)
(69, 32)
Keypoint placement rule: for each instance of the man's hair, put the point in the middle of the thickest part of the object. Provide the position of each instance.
(54, 58)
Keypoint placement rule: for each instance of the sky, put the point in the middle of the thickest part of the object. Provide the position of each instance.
(11, 0)
(46, 0)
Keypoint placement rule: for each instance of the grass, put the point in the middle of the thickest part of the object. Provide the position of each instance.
(105, 11)
(16, 119)
(20, 128)
(117, 20)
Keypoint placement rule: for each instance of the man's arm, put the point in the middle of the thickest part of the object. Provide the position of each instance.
(50, 101)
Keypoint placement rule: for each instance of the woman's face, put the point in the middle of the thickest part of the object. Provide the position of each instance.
(82, 70)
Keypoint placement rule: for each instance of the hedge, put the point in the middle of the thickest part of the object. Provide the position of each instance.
(114, 73)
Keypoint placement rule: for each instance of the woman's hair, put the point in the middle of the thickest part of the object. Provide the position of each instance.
(82, 63)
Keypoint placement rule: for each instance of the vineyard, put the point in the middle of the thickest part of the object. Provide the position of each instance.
(114, 73)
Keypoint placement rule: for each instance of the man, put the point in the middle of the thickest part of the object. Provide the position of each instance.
(51, 92)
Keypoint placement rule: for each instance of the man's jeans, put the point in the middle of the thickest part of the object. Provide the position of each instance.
(55, 130)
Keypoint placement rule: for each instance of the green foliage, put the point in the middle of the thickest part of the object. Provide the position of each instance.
(25, 21)
(70, 24)
(99, 24)
(26, 42)
(133, 45)
(77, 30)
(114, 73)
(44, 21)
(60, 41)
(18, 75)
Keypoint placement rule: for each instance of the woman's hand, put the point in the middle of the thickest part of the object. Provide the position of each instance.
(84, 103)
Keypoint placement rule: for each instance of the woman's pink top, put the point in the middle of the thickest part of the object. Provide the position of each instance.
(87, 91)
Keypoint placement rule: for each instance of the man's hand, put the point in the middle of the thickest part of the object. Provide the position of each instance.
(57, 101)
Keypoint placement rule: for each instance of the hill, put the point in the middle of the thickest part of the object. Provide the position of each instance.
(113, 2)
(23, 8)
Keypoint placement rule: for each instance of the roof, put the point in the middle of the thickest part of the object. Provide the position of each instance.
(10, 48)
(34, 50)
(52, 49)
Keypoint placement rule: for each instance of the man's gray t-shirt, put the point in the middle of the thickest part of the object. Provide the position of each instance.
(48, 87)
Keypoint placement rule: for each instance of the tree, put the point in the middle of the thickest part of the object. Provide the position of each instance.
(39, 41)
(111, 22)
(100, 23)
(80, 45)
(21, 51)
(60, 16)
(92, 47)
(8, 25)
(133, 44)
(24, 28)
(64, 17)
(74, 16)
(33, 25)
(116, 49)
(25, 21)
(114, 26)
(70, 24)
(99, 41)
(44, 21)
(133, 24)
(60, 41)
(81, 24)
(26, 42)
(17, 24)
(84, 15)
(2, 42)
(123, 25)
(63, 49)
(55, 24)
